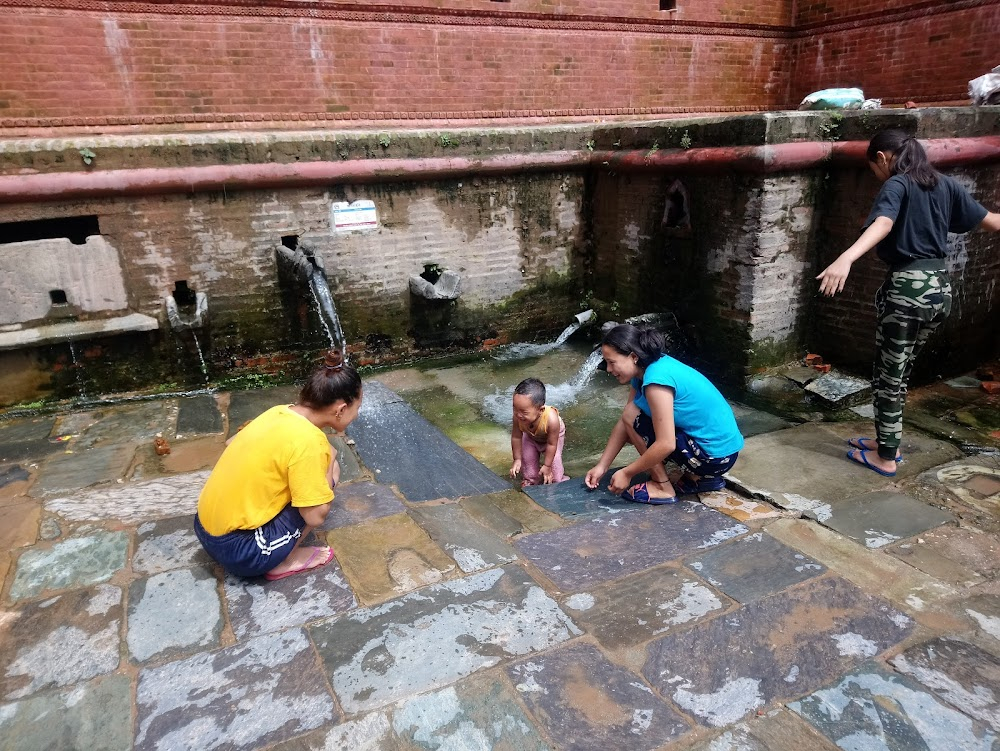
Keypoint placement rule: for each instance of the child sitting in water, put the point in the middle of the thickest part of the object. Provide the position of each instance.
(538, 430)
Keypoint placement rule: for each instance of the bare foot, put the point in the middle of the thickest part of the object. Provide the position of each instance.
(658, 489)
(302, 559)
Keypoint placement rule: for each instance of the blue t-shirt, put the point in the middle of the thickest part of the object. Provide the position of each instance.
(699, 409)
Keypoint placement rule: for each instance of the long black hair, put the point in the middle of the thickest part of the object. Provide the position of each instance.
(910, 157)
(646, 344)
(333, 380)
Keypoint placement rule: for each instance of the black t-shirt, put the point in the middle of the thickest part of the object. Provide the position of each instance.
(922, 217)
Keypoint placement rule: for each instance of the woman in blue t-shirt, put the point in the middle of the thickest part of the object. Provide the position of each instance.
(913, 213)
(674, 413)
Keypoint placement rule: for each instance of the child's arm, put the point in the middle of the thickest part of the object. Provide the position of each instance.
(834, 276)
(551, 446)
(991, 222)
(515, 447)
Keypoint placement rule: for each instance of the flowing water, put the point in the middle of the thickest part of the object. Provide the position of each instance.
(326, 308)
(201, 357)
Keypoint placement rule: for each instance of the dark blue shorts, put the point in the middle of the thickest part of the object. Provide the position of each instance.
(254, 552)
(688, 454)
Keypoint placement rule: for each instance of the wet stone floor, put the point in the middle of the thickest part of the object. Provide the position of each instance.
(811, 605)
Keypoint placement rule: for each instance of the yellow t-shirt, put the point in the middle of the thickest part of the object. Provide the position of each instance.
(279, 458)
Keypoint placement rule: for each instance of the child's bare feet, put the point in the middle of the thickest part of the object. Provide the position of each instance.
(299, 560)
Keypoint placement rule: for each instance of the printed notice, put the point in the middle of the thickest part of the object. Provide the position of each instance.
(359, 214)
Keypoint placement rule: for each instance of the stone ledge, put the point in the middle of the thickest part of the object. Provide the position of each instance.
(75, 330)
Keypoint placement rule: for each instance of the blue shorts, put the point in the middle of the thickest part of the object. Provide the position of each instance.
(688, 454)
(254, 552)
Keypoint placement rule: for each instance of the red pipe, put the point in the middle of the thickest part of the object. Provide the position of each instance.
(62, 186)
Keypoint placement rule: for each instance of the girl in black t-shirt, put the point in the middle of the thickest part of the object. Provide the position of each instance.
(913, 213)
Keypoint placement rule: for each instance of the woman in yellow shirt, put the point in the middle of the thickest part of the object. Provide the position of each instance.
(274, 482)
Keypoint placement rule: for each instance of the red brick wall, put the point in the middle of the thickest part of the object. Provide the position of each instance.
(926, 53)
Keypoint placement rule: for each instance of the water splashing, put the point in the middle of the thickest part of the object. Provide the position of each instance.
(77, 368)
(522, 351)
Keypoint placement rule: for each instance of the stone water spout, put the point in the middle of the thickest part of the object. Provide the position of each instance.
(447, 287)
(308, 268)
(191, 317)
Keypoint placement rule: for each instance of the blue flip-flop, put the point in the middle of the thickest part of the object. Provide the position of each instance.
(640, 494)
(858, 444)
(865, 463)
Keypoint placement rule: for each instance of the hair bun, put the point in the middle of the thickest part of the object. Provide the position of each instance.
(333, 360)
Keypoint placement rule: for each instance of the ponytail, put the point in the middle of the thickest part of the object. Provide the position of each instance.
(910, 159)
(646, 344)
(334, 380)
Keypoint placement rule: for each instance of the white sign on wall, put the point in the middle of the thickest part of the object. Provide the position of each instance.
(360, 214)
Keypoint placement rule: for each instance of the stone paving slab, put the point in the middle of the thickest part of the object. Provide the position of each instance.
(173, 613)
(76, 562)
(168, 544)
(975, 481)
(358, 502)
(61, 641)
(246, 696)
(198, 415)
(739, 508)
(133, 503)
(95, 716)
(350, 467)
(752, 421)
(774, 649)
(510, 510)
(632, 611)
(958, 555)
(27, 439)
(609, 547)
(873, 708)
(871, 570)
(588, 703)
(133, 424)
(754, 567)
(839, 391)
(960, 673)
(777, 730)
(473, 547)
(477, 713)
(257, 606)
(246, 405)
(77, 468)
(880, 518)
(20, 524)
(809, 461)
(387, 557)
(387, 430)
(984, 610)
(428, 639)
(572, 498)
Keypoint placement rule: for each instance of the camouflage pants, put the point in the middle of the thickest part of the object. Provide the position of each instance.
(909, 306)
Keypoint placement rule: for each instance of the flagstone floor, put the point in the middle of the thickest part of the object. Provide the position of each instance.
(812, 605)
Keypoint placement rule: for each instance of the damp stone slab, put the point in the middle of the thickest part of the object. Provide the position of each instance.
(350, 467)
(61, 641)
(754, 567)
(386, 432)
(133, 503)
(959, 555)
(476, 713)
(129, 424)
(173, 613)
(168, 544)
(246, 405)
(198, 415)
(76, 562)
(572, 498)
(883, 517)
(874, 708)
(247, 696)
(81, 467)
(473, 547)
(257, 606)
(774, 649)
(984, 611)
(960, 673)
(590, 704)
(807, 464)
(604, 548)
(431, 638)
(27, 439)
(510, 512)
(94, 716)
(387, 557)
(359, 502)
(840, 391)
(776, 730)
(635, 610)
(752, 421)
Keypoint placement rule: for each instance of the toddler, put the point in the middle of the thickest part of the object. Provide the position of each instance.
(538, 431)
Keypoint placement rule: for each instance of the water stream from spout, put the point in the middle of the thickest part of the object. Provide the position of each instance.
(201, 357)
(522, 351)
(81, 390)
(561, 395)
(326, 308)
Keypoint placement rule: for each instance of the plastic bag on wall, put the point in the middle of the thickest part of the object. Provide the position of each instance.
(833, 99)
(986, 88)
